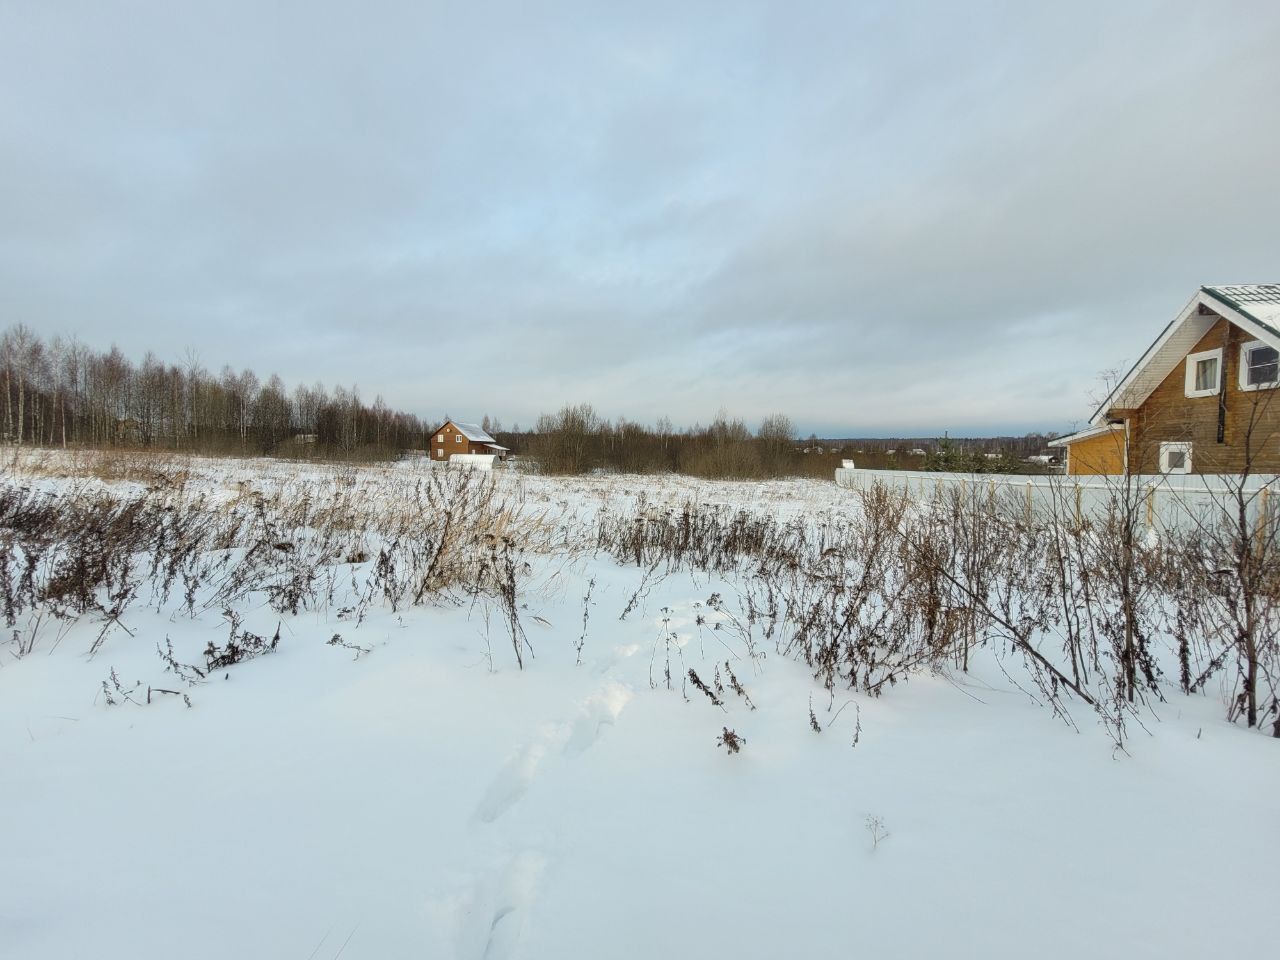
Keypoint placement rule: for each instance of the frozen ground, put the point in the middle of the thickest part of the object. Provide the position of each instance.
(428, 799)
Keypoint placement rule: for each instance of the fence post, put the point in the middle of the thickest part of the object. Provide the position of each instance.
(1079, 518)
(1263, 522)
(1151, 506)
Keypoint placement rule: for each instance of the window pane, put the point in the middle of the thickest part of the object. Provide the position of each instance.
(1177, 460)
(1207, 374)
(1264, 363)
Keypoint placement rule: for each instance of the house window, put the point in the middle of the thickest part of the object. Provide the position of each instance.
(440, 438)
(1259, 366)
(1175, 457)
(458, 438)
(1204, 373)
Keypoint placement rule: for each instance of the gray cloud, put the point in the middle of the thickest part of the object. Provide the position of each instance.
(880, 217)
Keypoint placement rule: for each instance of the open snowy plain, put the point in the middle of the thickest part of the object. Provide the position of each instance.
(342, 756)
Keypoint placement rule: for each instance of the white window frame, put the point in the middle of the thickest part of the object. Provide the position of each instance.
(1175, 446)
(439, 438)
(1245, 350)
(457, 438)
(1193, 359)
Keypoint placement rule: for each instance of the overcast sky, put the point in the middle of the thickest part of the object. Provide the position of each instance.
(876, 217)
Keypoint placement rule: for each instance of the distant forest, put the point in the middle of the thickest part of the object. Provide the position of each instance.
(62, 393)
(578, 440)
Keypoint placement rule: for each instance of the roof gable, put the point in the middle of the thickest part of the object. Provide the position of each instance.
(1254, 308)
(469, 430)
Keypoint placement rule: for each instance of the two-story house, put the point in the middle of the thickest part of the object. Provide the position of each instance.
(1203, 398)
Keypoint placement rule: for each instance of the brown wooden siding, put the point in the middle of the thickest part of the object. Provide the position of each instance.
(1248, 416)
(452, 444)
(1094, 456)
(1169, 415)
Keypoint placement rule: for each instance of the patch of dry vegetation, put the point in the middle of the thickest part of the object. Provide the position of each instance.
(127, 528)
(869, 597)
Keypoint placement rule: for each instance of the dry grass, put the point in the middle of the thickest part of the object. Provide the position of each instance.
(109, 466)
(867, 591)
(129, 527)
(870, 597)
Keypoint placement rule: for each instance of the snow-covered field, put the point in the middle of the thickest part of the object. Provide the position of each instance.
(408, 791)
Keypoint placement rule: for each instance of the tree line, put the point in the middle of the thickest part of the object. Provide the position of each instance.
(63, 393)
(576, 439)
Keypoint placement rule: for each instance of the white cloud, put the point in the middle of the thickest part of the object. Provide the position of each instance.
(757, 206)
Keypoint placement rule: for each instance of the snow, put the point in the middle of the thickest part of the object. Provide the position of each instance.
(429, 799)
(473, 432)
(1260, 300)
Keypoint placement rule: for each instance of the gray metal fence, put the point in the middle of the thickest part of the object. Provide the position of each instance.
(1165, 502)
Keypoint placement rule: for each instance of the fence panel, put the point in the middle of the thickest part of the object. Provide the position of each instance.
(1167, 502)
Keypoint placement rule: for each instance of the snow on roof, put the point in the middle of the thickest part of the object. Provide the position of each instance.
(1259, 301)
(472, 432)
(1254, 307)
(1084, 434)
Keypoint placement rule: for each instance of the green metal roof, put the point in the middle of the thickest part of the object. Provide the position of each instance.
(1260, 302)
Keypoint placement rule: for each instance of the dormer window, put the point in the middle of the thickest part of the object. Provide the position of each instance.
(1204, 373)
(1259, 366)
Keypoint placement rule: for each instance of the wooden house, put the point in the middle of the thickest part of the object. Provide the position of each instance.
(454, 437)
(1203, 398)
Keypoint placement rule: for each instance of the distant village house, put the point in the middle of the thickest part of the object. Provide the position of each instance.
(454, 437)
